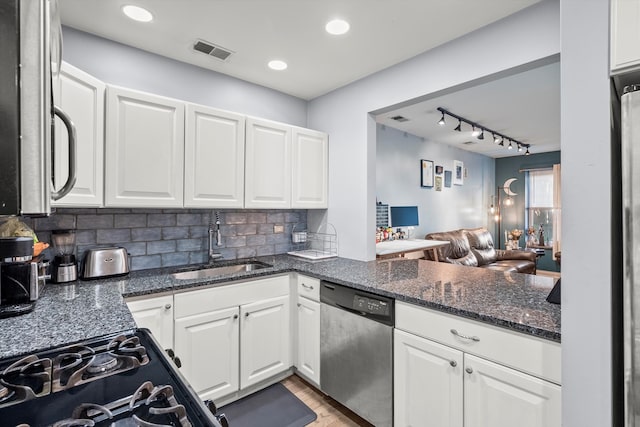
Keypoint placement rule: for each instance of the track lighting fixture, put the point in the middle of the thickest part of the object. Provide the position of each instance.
(478, 131)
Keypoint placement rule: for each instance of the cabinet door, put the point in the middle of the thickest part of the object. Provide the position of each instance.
(310, 167)
(308, 360)
(428, 383)
(155, 314)
(207, 345)
(144, 155)
(265, 340)
(214, 158)
(625, 35)
(81, 96)
(497, 396)
(267, 165)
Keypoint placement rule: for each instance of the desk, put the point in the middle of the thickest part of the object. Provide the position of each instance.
(394, 248)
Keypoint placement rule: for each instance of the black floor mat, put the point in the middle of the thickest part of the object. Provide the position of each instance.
(275, 406)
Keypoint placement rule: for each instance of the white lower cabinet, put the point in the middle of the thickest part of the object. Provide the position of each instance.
(155, 314)
(207, 345)
(452, 383)
(234, 336)
(265, 341)
(308, 357)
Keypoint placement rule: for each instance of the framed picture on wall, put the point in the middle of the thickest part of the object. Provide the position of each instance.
(426, 173)
(438, 183)
(458, 172)
(447, 178)
(439, 170)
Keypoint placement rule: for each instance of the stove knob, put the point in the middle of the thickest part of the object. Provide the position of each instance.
(170, 353)
(222, 419)
(210, 406)
(177, 361)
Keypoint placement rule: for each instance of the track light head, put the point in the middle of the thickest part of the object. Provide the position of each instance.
(481, 136)
(510, 147)
(519, 148)
(501, 143)
(475, 132)
(441, 122)
(526, 153)
(496, 138)
(459, 127)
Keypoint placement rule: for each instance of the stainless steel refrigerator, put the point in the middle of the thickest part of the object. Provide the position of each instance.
(630, 167)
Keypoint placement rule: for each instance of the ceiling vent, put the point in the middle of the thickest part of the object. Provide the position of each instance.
(399, 119)
(212, 50)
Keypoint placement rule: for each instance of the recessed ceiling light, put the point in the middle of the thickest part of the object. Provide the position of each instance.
(278, 65)
(337, 27)
(137, 13)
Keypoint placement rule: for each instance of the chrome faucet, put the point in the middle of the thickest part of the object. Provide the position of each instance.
(214, 234)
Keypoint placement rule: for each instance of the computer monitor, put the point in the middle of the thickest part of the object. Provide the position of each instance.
(404, 216)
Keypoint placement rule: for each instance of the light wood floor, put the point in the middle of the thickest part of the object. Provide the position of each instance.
(330, 413)
(553, 274)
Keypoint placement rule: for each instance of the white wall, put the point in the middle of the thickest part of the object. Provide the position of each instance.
(527, 36)
(586, 195)
(123, 65)
(398, 182)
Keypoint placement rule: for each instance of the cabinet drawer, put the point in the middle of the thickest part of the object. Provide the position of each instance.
(309, 287)
(199, 301)
(529, 354)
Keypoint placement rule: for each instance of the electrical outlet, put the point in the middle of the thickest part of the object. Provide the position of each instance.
(278, 228)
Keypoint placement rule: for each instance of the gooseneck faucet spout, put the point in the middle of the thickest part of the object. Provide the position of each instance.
(214, 235)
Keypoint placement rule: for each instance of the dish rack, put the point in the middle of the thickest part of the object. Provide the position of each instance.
(315, 245)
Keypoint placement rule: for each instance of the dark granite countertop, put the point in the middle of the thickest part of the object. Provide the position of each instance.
(85, 309)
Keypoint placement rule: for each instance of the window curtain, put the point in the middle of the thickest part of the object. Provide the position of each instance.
(557, 212)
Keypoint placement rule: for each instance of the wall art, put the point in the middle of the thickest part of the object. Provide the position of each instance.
(426, 173)
(458, 172)
(447, 179)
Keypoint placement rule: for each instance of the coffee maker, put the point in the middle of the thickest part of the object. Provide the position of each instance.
(21, 276)
(64, 267)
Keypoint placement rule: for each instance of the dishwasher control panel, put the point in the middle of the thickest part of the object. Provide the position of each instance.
(370, 305)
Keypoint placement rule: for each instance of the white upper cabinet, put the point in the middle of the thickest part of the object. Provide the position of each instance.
(625, 35)
(144, 155)
(214, 158)
(81, 96)
(310, 167)
(267, 165)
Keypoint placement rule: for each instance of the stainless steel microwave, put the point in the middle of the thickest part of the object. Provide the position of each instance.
(31, 46)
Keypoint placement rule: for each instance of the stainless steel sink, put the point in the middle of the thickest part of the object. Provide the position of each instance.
(218, 271)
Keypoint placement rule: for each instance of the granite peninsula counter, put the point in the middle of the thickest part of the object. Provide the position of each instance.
(78, 311)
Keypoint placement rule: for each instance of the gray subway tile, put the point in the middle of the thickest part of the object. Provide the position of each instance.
(198, 230)
(283, 248)
(190, 245)
(277, 217)
(257, 218)
(265, 228)
(256, 240)
(56, 222)
(198, 257)
(246, 229)
(228, 230)
(144, 262)
(265, 250)
(228, 253)
(161, 247)
(235, 242)
(146, 234)
(114, 235)
(247, 252)
(175, 258)
(94, 222)
(189, 219)
(86, 237)
(161, 220)
(130, 220)
(135, 248)
(291, 217)
(235, 218)
(273, 239)
(174, 233)
(114, 211)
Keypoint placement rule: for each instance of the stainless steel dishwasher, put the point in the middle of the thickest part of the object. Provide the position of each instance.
(356, 351)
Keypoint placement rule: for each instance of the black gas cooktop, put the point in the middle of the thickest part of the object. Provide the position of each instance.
(116, 380)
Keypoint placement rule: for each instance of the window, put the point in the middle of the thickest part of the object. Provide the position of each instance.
(539, 205)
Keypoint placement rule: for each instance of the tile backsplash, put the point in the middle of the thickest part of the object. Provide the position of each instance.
(170, 237)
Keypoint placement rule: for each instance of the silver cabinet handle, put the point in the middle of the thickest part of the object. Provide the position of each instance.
(466, 337)
(235, 316)
(469, 370)
(453, 363)
(307, 287)
(167, 306)
(71, 179)
(246, 314)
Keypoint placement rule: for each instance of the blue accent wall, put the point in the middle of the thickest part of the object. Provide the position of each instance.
(514, 216)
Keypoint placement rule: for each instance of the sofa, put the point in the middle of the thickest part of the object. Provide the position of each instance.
(474, 247)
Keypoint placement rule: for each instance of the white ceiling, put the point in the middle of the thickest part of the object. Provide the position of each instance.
(524, 106)
(383, 33)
